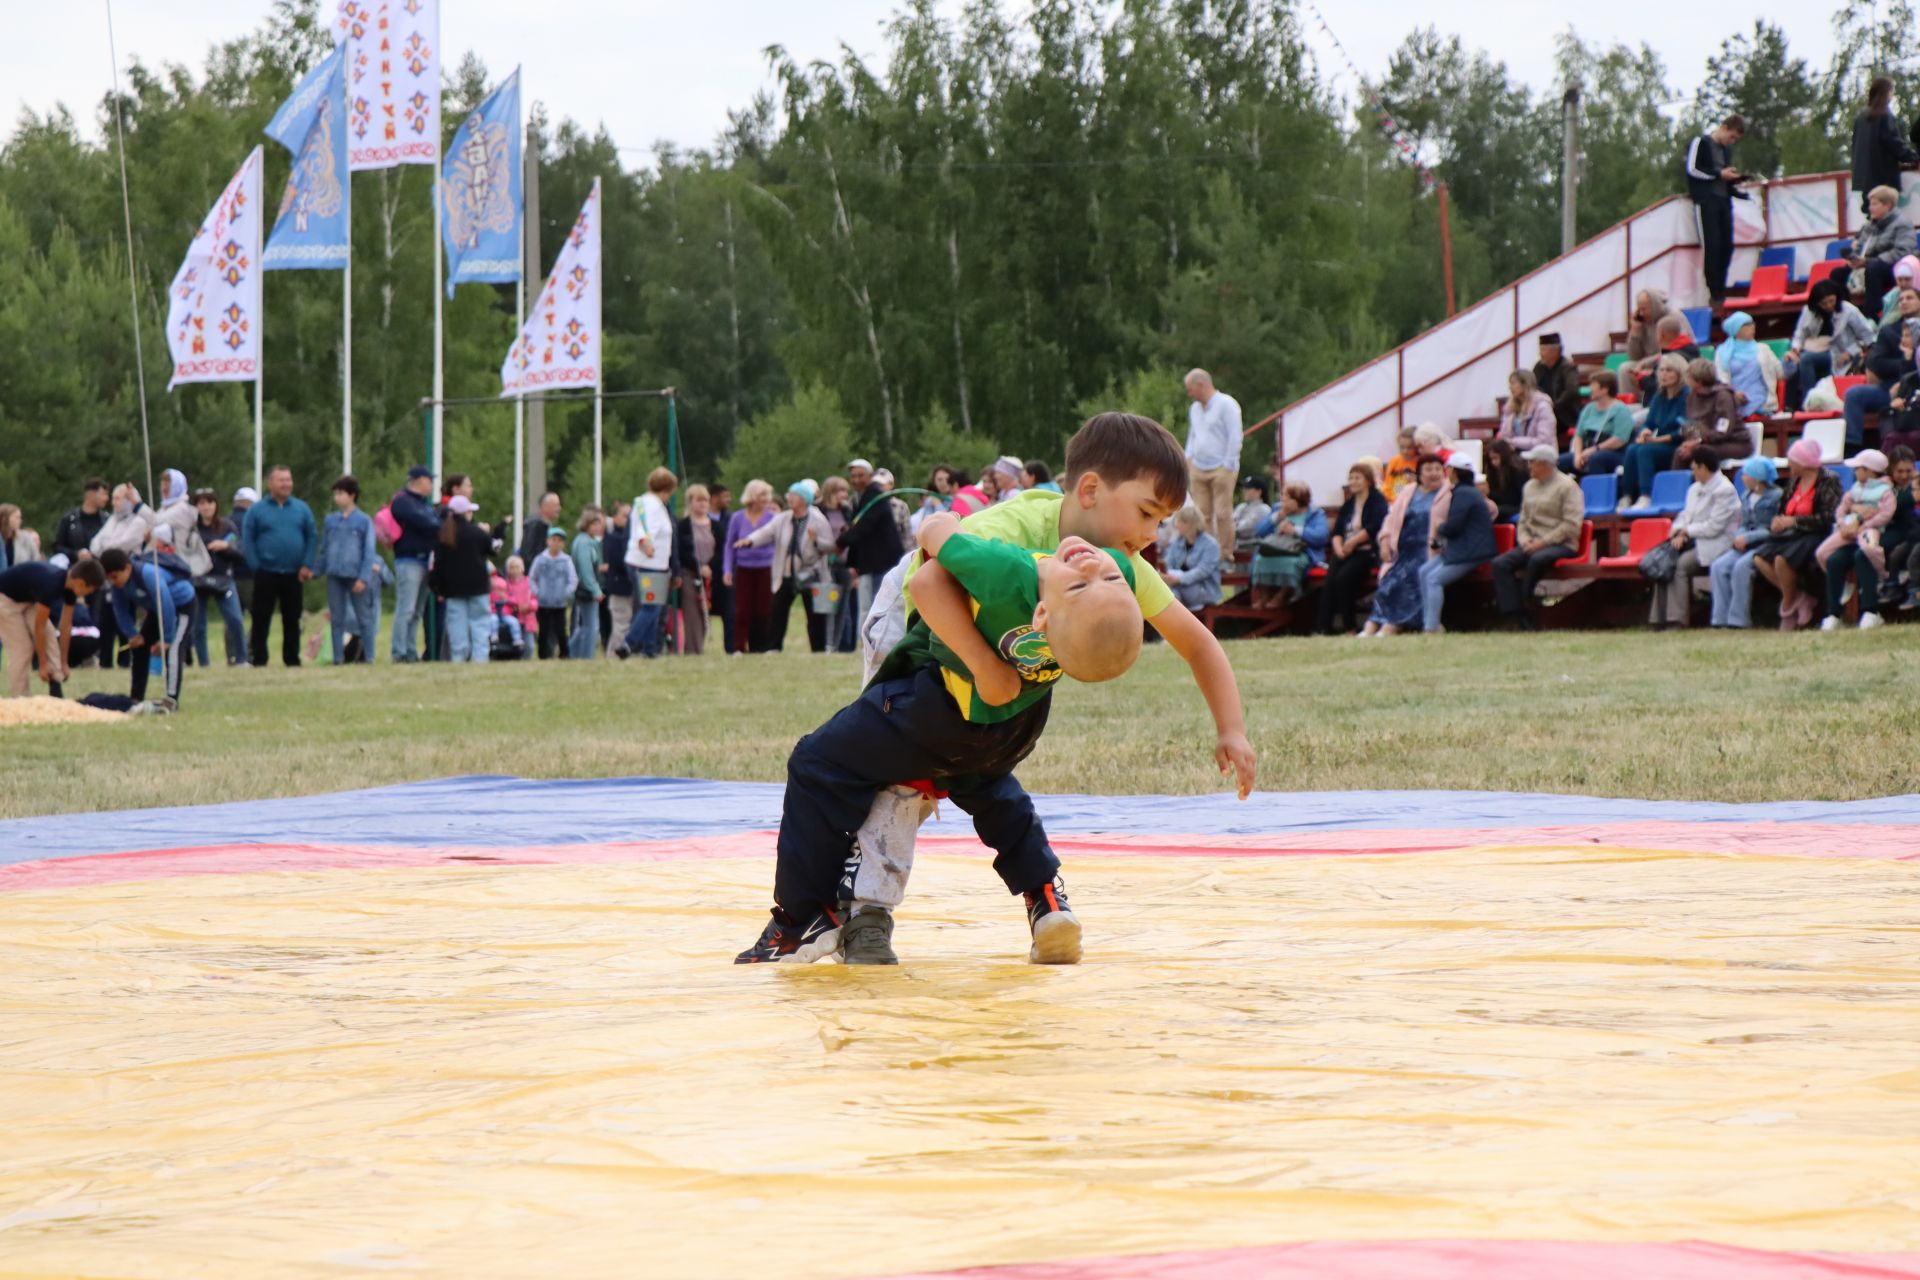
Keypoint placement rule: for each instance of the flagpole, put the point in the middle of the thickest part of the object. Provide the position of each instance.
(260, 341)
(519, 401)
(346, 339)
(438, 462)
(600, 356)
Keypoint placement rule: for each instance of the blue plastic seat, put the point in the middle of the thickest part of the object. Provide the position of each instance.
(1669, 496)
(1602, 494)
(1839, 249)
(1779, 257)
(1843, 473)
(1701, 320)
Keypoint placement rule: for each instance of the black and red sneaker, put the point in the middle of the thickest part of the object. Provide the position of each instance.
(1056, 930)
(783, 940)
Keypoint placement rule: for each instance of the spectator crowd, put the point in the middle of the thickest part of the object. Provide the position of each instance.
(674, 571)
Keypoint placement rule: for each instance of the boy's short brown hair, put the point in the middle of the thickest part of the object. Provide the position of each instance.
(662, 480)
(1119, 447)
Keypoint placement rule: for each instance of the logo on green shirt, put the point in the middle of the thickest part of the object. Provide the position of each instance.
(1028, 651)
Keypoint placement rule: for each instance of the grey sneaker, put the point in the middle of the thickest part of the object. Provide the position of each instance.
(158, 707)
(867, 938)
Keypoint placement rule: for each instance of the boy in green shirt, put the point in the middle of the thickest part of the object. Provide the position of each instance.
(1124, 475)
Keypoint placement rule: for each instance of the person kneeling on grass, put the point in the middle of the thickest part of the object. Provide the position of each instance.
(961, 700)
(160, 585)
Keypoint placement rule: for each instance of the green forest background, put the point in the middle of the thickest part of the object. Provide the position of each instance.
(1016, 222)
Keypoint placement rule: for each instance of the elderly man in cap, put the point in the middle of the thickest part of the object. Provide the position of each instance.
(872, 540)
(413, 510)
(1551, 509)
(1558, 380)
(1213, 454)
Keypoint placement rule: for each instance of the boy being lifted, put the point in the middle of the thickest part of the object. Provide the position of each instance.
(1124, 475)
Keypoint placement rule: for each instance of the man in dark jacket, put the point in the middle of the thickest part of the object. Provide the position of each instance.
(533, 538)
(1559, 381)
(413, 510)
(77, 527)
(1712, 186)
(1879, 152)
(871, 541)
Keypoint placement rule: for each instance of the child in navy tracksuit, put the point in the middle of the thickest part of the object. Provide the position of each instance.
(159, 584)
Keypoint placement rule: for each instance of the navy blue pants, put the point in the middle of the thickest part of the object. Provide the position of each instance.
(899, 731)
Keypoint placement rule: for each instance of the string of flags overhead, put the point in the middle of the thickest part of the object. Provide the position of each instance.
(1397, 138)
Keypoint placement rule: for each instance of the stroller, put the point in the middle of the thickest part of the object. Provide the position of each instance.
(509, 642)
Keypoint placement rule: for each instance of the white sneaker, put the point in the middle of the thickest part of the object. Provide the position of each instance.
(1830, 624)
(1868, 621)
(1846, 592)
(1638, 504)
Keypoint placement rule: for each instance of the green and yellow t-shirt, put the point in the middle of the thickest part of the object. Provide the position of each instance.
(1002, 582)
(1032, 520)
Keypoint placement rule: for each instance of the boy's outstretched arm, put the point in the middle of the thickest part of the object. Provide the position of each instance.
(1214, 674)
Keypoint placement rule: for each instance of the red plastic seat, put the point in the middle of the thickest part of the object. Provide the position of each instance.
(1846, 382)
(1505, 536)
(1585, 551)
(1820, 273)
(1769, 284)
(1644, 536)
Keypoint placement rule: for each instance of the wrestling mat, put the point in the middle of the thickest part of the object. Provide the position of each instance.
(488, 1027)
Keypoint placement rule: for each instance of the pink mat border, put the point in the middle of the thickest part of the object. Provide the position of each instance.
(1461, 1260)
(1748, 839)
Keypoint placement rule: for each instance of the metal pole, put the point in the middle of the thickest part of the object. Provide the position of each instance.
(1446, 248)
(260, 362)
(346, 339)
(519, 411)
(600, 356)
(536, 410)
(439, 346)
(1570, 169)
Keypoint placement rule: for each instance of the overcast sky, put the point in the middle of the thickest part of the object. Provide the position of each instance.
(653, 69)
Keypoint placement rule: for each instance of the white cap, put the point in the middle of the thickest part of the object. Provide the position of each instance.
(883, 476)
(1542, 453)
(860, 462)
(1463, 461)
(1871, 459)
(245, 493)
(460, 504)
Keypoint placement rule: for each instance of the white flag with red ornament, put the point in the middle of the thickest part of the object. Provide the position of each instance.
(560, 345)
(213, 309)
(393, 81)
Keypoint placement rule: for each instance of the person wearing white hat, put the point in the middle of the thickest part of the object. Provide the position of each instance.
(462, 575)
(1464, 542)
(1853, 548)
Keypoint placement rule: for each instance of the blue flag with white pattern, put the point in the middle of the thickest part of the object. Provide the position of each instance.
(311, 231)
(480, 191)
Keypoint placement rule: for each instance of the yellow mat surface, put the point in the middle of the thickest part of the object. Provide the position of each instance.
(513, 1071)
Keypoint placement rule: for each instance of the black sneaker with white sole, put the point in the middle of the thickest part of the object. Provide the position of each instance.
(867, 938)
(785, 941)
(1055, 929)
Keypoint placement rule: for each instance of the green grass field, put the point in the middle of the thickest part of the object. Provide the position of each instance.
(1706, 716)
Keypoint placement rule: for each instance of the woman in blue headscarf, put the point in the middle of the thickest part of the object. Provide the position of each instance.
(1732, 573)
(1753, 371)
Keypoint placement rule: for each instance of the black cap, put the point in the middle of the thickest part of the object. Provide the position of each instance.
(419, 473)
(1549, 339)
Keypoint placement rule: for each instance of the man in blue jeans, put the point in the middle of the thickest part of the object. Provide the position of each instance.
(412, 509)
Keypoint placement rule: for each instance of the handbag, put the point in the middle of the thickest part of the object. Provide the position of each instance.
(213, 584)
(1284, 541)
(824, 597)
(1660, 563)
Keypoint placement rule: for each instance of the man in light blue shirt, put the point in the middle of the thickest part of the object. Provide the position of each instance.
(1213, 454)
